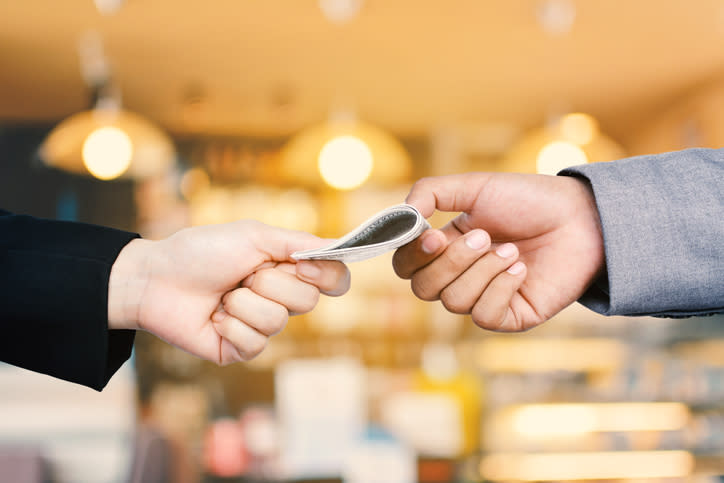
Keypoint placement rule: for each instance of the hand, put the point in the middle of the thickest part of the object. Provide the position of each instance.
(549, 224)
(219, 291)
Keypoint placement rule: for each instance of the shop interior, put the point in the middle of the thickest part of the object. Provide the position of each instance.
(155, 115)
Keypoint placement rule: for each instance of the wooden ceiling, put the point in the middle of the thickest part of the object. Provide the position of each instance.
(271, 67)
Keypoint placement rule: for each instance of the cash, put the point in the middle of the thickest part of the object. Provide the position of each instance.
(389, 229)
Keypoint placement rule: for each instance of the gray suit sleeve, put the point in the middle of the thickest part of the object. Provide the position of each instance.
(663, 227)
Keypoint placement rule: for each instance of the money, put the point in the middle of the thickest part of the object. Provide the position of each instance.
(387, 230)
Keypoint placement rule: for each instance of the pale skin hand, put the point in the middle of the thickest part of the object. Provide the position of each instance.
(546, 226)
(219, 292)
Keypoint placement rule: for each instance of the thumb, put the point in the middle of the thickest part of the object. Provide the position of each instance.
(279, 243)
(457, 192)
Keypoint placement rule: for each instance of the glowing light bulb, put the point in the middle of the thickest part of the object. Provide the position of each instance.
(345, 162)
(107, 152)
(578, 128)
(559, 155)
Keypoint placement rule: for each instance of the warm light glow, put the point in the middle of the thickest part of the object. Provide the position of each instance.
(544, 355)
(108, 7)
(107, 152)
(439, 361)
(557, 16)
(293, 210)
(334, 316)
(555, 420)
(345, 162)
(558, 155)
(583, 466)
(578, 128)
(340, 11)
(194, 182)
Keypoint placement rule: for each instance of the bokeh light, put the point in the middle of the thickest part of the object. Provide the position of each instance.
(107, 152)
(559, 155)
(578, 128)
(345, 162)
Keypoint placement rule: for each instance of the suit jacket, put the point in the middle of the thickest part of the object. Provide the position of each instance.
(54, 299)
(663, 227)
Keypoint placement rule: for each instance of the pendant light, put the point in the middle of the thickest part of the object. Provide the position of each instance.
(106, 141)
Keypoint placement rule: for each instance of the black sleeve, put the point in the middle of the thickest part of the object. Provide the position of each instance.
(54, 299)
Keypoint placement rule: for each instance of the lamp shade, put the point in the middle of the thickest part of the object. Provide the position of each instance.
(371, 152)
(119, 142)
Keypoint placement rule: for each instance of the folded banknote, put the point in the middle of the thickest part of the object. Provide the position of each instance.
(389, 229)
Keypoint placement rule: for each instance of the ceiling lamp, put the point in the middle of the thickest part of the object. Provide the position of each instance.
(107, 144)
(569, 140)
(344, 155)
(106, 141)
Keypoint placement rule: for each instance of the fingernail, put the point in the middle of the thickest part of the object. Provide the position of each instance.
(430, 244)
(217, 317)
(506, 250)
(516, 268)
(476, 239)
(308, 270)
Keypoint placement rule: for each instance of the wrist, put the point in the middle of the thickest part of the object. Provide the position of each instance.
(591, 224)
(127, 285)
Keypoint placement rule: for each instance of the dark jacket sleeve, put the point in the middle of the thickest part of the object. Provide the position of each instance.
(663, 227)
(54, 299)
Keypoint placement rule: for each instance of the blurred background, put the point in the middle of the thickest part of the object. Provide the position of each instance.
(154, 115)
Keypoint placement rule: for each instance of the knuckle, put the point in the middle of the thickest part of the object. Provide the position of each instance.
(279, 320)
(457, 258)
(230, 359)
(422, 290)
(481, 318)
(420, 184)
(223, 326)
(452, 302)
(308, 304)
(262, 279)
(251, 223)
(253, 348)
(234, 300)
(228, 302)
(490, 318)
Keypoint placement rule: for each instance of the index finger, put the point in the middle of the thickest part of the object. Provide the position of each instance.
(456, 192)
(420, 252)
(331, 277)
